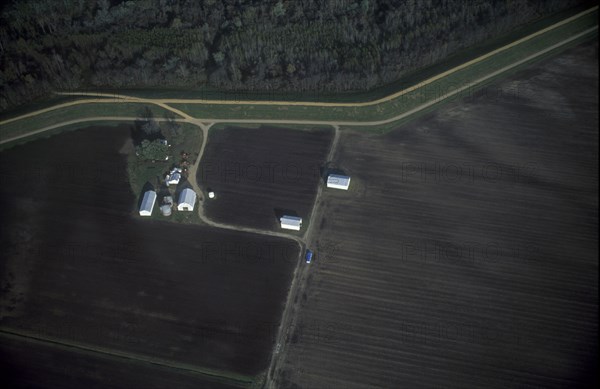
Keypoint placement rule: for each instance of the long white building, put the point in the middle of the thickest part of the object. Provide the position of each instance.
(338, 182)
(148, 203)
(291, 222)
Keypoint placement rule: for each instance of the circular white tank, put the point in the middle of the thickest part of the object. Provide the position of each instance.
(166, 210)
(211, 195)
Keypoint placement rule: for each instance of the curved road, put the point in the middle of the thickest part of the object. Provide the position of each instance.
(187, 118)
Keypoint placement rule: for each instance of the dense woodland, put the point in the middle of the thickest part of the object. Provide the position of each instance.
(286, 45)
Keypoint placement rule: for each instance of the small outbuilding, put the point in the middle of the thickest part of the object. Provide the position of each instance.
(338, 181)
(291, 222)
(187, 200)
(148, 203)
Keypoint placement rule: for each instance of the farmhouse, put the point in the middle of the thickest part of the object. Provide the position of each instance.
(187, 200)
(338, 182)
(173, 177)
(291, 222)
(148, 203)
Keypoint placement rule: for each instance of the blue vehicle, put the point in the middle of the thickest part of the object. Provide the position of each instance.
(309, 255)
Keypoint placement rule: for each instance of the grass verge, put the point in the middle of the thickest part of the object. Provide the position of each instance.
(87, 110)
(403, 103)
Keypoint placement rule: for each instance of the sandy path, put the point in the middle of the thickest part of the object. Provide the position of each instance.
(197, 121)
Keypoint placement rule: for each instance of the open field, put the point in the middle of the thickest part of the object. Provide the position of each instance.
(27, 363)
(78, 269)
(259, 174)
(465, 253)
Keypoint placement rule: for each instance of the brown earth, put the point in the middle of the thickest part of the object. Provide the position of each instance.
(78, 266)
(465, 252)
(261, 174)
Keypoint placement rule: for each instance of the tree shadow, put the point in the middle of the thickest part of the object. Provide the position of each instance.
(327, 170)
(147, 186)
(279, 212)
(183, 184)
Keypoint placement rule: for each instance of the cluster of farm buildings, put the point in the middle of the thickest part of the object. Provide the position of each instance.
(187, 199)
(335, 181)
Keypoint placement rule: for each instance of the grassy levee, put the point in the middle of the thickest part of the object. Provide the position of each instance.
(46, 103)
(218, 375)
(80, 111)
(409, 79)
(404, 102)
(473, 91)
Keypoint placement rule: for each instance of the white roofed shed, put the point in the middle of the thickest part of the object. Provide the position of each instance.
(187, 200)
(291, 222)
(338, 182)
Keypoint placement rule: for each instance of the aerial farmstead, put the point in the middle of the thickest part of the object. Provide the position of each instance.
(148, 203)
(338, 181)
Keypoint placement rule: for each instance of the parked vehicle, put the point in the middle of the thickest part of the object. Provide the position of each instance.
(309, 255)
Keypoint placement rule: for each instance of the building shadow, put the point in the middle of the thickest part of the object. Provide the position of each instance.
(327, 170)
(279, 212)
(147, 186)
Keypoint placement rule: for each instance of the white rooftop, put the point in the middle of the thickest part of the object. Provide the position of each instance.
(148, 203)
(338, 181)
(187, 200)
(291, 222)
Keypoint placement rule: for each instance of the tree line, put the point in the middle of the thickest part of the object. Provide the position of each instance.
(283, 45)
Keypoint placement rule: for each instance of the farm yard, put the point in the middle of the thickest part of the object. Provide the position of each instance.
(260, 174)
(79, 269)
(465, 252)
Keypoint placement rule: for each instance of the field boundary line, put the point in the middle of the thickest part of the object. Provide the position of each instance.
(28, 337)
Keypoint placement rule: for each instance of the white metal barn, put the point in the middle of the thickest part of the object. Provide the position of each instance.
(148, 203)
(187, 200)
(338, 182)
(291, 222)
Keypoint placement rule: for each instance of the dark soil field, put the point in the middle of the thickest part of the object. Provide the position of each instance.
(465, 253)
(27, 364)
(78, 267)
(260, 174)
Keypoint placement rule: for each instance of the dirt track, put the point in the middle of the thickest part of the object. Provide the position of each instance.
(186, 117)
